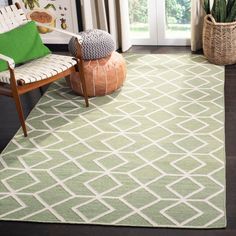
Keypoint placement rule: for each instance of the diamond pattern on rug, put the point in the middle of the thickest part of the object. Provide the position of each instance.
(151, 154)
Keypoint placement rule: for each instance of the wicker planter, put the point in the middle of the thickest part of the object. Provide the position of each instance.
(219, 41)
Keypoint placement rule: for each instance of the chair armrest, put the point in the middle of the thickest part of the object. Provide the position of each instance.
(10, 61)
(61, 31)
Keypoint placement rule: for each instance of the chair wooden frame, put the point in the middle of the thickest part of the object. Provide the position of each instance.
(14, 90)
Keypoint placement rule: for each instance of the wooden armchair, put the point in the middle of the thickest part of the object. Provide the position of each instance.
(37, 73)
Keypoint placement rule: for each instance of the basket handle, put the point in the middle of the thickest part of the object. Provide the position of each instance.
(209, 16)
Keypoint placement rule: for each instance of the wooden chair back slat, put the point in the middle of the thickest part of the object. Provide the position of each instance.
(11, 17)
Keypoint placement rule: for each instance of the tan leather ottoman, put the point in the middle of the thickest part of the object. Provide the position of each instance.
(103, 76)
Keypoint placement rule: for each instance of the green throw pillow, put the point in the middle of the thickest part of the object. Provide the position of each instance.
(22, 44)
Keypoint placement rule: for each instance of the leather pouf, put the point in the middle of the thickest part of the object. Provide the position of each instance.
(103, 76)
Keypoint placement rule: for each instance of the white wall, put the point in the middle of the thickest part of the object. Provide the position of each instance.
(3, 2)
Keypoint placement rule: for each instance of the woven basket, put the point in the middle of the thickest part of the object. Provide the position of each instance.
(219, 41)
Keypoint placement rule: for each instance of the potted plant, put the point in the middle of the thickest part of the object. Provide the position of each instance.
(219, 32)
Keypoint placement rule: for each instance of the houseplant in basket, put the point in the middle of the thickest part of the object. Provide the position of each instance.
(219, 32)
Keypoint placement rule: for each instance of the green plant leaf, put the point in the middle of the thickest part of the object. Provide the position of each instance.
(222, 5)
(206, 6)
(50, 5)
(230, 4)
(231, 15)
(214, 10)
(37, 3)
(25, 3)
(219, 10)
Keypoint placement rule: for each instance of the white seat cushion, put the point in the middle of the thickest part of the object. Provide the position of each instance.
(39, 69)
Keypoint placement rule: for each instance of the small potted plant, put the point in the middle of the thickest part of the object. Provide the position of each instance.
(219, 32)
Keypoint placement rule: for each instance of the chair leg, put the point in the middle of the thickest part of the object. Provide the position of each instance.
(80, 68)
(16, 98)
(68, 83)
(41, 90)
(20, 112)
(82, 79)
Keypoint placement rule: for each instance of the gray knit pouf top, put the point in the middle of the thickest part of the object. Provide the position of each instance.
(96, 44)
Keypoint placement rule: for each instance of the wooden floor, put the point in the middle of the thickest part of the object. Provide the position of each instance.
(9, 124)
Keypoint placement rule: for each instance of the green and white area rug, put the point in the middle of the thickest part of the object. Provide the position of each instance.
(151, 154)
